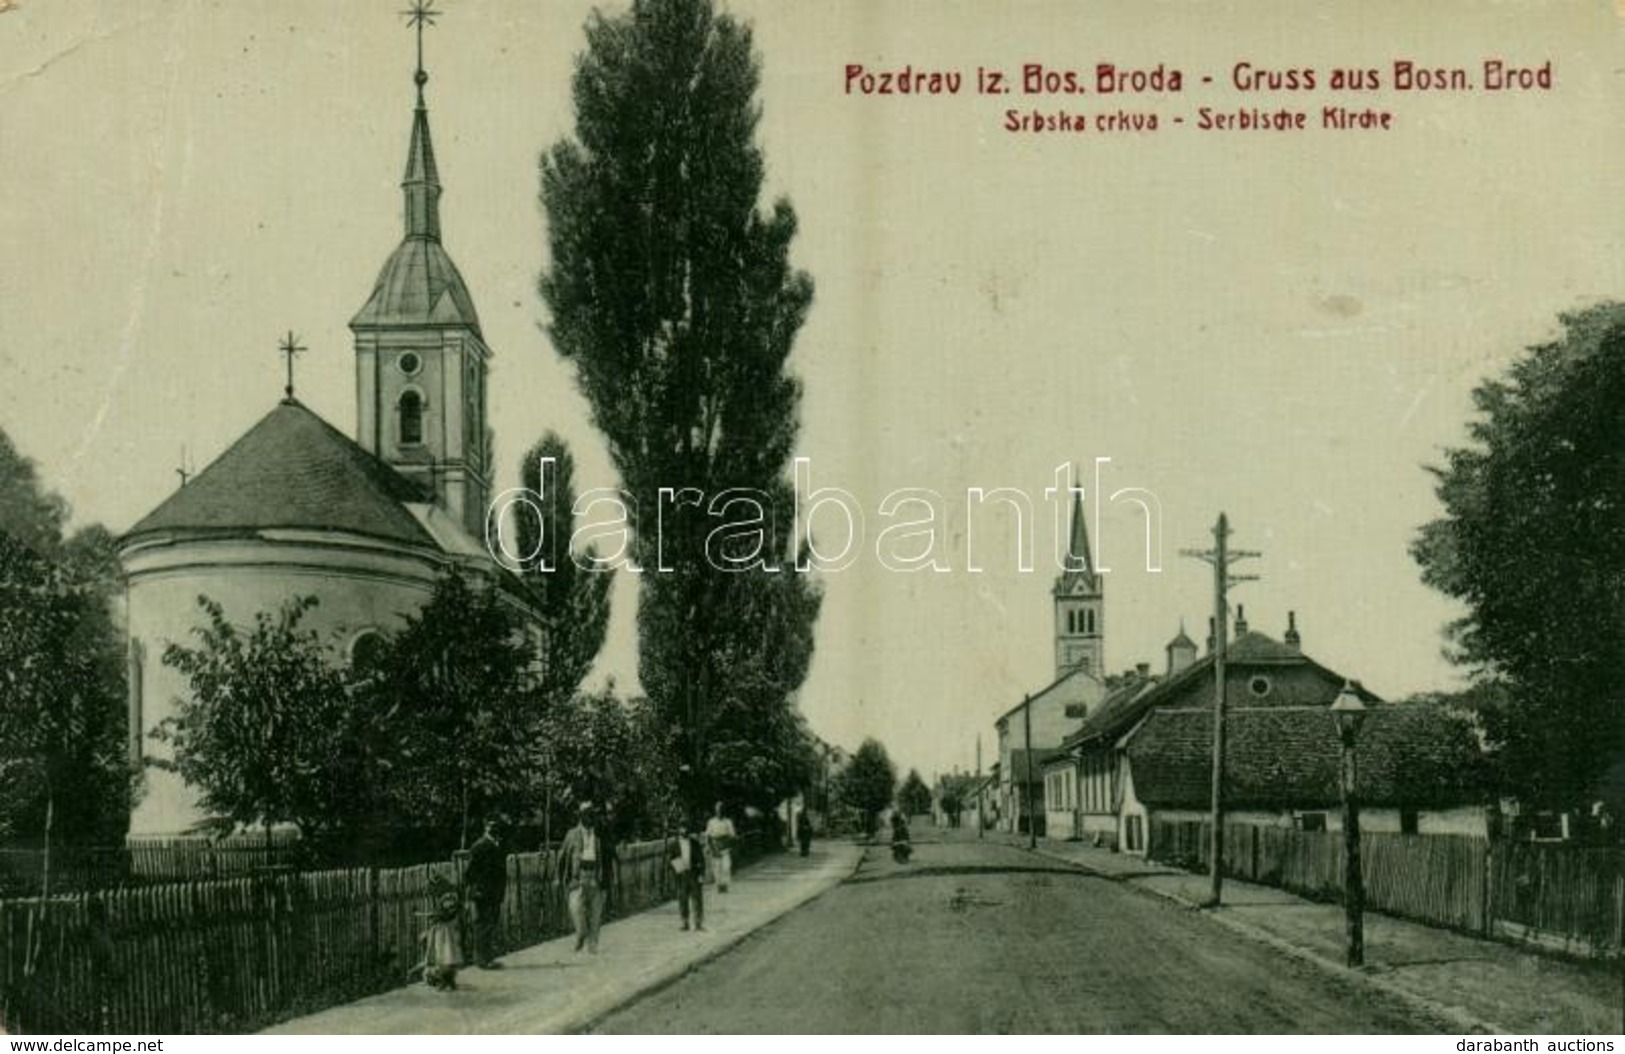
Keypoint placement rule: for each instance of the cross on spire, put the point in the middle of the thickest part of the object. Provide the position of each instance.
(422, 14)
(290, 347)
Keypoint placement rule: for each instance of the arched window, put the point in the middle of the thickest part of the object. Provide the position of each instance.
(411, 407)
(1089, 620)
(366, 651)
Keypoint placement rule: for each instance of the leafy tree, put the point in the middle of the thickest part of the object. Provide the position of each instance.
(868, 783)
(676, 302)
(599, 747)
(914, 797)
(574, 602)
(455, 688)
(267, 733)
(63, 758)
(1533, 543)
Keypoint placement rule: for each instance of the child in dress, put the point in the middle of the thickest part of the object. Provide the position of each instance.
(442, 941)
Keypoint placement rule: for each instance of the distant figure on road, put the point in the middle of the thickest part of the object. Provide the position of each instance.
(804, 831)
(487, 883)
(687, 859)
(719, 840)
(901, 848)
(584, 872)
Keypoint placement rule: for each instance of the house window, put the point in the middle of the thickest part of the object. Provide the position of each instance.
(1259, 686)
(411, 407)
(1311, 821)
(1409, 822)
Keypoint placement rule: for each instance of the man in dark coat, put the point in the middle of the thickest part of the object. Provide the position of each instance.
(804, 830)
(487, 883)
(686, 855)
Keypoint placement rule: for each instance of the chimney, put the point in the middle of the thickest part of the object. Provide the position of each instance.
(1181, 651)
(1143, 670)
(1210, 636)
(1292, 639)
(1241, 621)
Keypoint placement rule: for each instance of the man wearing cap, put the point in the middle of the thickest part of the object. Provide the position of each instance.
(583, 872)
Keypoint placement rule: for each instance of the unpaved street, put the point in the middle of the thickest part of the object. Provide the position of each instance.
(983, 937)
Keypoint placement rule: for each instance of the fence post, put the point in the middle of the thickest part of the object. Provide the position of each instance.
(1487, 901)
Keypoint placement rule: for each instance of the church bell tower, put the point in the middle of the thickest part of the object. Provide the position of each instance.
(1079, 594)
(421, 361)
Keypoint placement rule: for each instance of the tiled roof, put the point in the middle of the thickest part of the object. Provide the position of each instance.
(1288, 757)
(1028, 765)
(1119, 712)
(294, 470)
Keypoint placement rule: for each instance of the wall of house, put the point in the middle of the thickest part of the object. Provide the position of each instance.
(1133, 820)
(1468, 820)
(1061, 801)
(1057, 712)
(1099, 829)
(1097, 790)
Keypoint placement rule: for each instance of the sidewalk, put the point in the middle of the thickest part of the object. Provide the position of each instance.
(552, 988)
(1482, 986)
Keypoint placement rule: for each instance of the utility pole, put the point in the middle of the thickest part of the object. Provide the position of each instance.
(981, 821)
(1220, 556)
(1027, 777)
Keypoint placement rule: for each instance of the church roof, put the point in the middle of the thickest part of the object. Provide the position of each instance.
(419, 284)
(294, 470)
(1079, 568)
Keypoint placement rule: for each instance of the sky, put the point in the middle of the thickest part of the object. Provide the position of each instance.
(1286, 327)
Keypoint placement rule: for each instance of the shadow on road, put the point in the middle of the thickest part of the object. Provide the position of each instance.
(940, 870)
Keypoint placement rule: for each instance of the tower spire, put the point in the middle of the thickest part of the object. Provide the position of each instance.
(1077, 549)
(422, 181)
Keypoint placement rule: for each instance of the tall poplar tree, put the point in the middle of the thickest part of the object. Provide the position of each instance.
(674, 297)
(1533, 544)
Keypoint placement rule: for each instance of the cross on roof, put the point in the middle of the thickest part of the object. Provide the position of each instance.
(422, 14)
(290, 347)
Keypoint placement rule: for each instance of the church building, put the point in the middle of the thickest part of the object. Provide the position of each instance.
(1035, 727)
(296, 508)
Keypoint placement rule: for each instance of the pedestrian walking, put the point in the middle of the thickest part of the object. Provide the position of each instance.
(487, 883)
(719, 842)
(583, 872)
(687, 859)
(804, 831)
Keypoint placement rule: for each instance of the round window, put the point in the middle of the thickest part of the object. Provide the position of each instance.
(409, 363)
(1259, 686)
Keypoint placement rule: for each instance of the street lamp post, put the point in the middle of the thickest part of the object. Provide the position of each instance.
(1350, 712)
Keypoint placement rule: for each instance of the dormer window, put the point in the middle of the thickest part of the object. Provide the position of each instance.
(411, 408)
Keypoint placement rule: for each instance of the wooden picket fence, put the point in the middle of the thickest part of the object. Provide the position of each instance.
(77, 869)
(238, 954)
(1561, 896)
